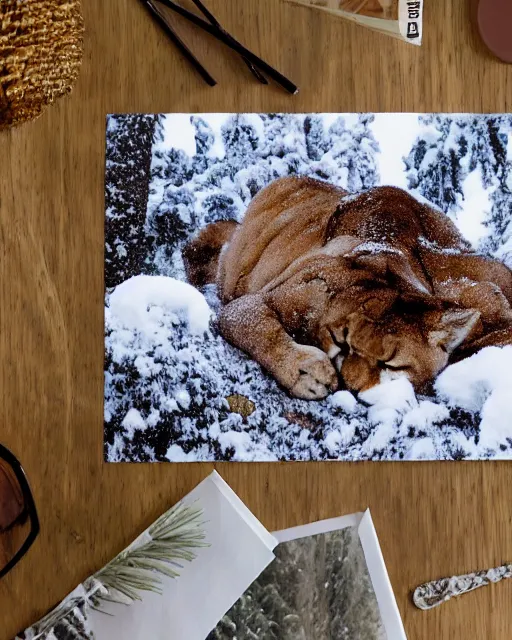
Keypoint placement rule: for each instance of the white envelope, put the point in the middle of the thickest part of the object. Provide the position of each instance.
(191, 605)
(389, 613)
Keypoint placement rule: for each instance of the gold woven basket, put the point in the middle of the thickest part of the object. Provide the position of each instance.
(40, 55)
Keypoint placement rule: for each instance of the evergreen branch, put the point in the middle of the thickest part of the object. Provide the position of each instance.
(160, 551)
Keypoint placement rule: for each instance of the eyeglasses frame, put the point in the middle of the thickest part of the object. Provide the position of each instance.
(29, 504)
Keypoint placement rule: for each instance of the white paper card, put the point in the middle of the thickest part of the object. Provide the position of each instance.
(190, 606)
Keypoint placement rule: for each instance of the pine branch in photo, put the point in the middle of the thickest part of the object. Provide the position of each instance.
(170, 541)
(160, 551)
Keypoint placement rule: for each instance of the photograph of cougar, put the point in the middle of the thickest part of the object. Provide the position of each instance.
(308, 287)
(328, 290)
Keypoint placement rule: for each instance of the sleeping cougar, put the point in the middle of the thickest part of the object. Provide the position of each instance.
(324, 288)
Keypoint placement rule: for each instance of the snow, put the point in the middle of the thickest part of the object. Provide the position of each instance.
(183, 398)
(343, 400)
(384, 423)
(389, 401)
(422, 449)
(378, 440)
(111, 124)
(138, 303)
(474, 211)
(396, 137)
(178, 134)
(347, 430)
(375, 248)
(133, 421)
(482, 384)
(176, 454)
(169, 372)
(424, 414)
(332, 441)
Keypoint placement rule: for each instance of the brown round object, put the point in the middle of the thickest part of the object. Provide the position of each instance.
(495, 24)
(40, 55)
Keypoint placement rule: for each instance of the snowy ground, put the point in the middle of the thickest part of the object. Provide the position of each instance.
(176, 390)
(184, 373)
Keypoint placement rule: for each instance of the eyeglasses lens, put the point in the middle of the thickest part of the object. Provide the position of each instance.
(14, 523)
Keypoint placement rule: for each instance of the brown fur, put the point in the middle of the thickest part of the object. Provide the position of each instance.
(318, 285)
(201, 255)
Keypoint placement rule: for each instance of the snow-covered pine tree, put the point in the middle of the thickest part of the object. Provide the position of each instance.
(266, 611)
(240, 141)
(128, 161)
(168, 219)
(362, 167)
(501, 219)
(204, 139)
(317, 587)
(346, 152)
(284, 143)
(225, 173)
(243, 141)
(448, 150)
(315, 136)
(350, 155)
(354, 612)
(170, 223)
(173, 166)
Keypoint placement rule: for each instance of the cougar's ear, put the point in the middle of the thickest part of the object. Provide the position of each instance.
(394, 267)
(452, 328)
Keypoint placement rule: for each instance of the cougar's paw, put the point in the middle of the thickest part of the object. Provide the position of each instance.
(315, 376)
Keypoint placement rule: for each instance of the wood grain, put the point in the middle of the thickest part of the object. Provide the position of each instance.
(433, 519)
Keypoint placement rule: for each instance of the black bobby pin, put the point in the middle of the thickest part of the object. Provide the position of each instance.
(162, 20)
(213, 20)
(212, 26)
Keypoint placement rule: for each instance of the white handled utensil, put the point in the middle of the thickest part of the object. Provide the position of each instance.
(432, 594)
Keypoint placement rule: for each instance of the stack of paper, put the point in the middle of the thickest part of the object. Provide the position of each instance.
(326, 581)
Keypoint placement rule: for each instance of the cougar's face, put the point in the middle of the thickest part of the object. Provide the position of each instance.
(368, 351)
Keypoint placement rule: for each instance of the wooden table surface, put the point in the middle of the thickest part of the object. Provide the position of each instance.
(432, 519)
